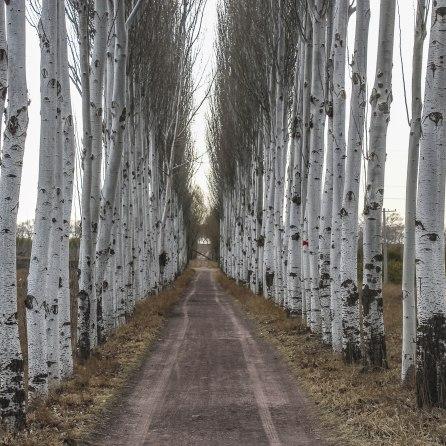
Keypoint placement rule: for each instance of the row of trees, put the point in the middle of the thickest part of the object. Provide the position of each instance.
(287, 172)
(131, 61)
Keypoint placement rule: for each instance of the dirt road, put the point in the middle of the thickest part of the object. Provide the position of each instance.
(210, 381)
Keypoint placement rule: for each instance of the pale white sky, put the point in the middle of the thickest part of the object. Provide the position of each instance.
(398, 128)
(204, 70)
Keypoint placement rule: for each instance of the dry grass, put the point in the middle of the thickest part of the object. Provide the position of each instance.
(73, 408)
(359, 408)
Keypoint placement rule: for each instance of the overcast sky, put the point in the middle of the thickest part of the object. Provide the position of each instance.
(398, 134)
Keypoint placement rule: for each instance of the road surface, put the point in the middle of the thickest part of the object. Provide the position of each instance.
(209, 381)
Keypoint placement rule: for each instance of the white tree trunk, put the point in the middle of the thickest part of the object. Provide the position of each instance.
(3, 64)
(306, 279)
(316, 159)
(306, 119)
(98, 60)
(295, 230)
(345, 326)
(381, 99)
(84, 339)
(430, 257)
(66, 354)
(280, 156)
(109, 77)
(325, 226)
(269, 223)
(37, 302)
(104, 241)
(56, 229)
(338, 56)
(260, 239)
(12, 394)
(409, 301)
(325, 243)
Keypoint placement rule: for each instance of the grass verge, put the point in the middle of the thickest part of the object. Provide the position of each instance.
(358, 408)
(74, 407)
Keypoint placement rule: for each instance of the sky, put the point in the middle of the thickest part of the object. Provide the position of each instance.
(204, 70)
(398, 131)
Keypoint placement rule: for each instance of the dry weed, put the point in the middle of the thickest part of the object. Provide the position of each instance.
(72, 409)
(361, 408)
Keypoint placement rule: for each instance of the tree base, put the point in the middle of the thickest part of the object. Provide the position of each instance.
(351, 353)
(431, 363)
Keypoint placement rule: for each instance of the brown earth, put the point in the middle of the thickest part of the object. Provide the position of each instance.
(210, 380)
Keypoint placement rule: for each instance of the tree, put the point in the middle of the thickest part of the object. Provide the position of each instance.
(346, 328)
(338, 61)
(37, 300)
(380, 100)
(12, 393)
(98, 59)
(325, 230)
(316, 159)
(294, 234)
(430, 261)
(84, 341)
(409, 301)
(68, 144)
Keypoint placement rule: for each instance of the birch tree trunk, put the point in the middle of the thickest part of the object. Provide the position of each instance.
(306, 289)
(66, 354)
(84, 339)
(430, 257)
(409, 303)
(316, 159)
(96, 114)
(295, 231)
(381, 99)
(259, 215)
(280, 153)
(345, 325)
(56, 227)
(12, 394)
(269, 226)
(104, 241)
(325, 244)
(3, 63)
(325, 226)
(338, 56)
(306, 106)
(37, 302)
(109, 77)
